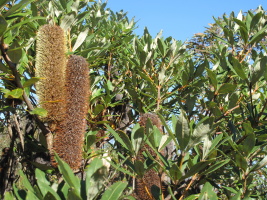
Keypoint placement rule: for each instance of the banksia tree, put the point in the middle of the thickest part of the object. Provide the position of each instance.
(68, 142)
(50, 67)
(150, 184)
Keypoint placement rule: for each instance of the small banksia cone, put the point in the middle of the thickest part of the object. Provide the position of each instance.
(150, 183)
(50, 67)
(68, 142)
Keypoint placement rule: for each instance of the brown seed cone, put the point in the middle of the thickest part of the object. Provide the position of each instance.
(50, 67)
(68, 141)
(151, 180)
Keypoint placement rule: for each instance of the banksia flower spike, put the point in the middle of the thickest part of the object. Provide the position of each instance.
(50, 67)
(151, 180)
(68, 142)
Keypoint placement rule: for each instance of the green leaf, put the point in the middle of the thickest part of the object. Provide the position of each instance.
(30, 82)
(200, 69)
(15, 52)
(260, 164)
(249, 144)
(26, 183)
(212, 78)
(121, 137)
(255, 20)
(175, 173)
(16, 93)
(137, 137)
(215, 166)
(238, 68)
(47, 191)
(227, 88)
(258, 36)
(49, 196)
(201, 131)
(241, 162)
(192, 197)
(182, 130)
(17, 7)
(73, 195)
(237, 196)
(197, 168)
(39, 111)
(92, 168)
(95, 178)
(3, 25)
(9, 196)
(114, 191)
(258, 69)
(207, 192)
(98, 109)
(139, 168)
(26, 21)
(68, 21)
(68, 175)
(80, 39)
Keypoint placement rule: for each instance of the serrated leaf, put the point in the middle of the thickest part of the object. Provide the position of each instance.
(39, 111)
(114, 191)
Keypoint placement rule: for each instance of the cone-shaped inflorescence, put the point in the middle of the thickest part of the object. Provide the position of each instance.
(68, 142)
(50, 67)
(150, 183)
(63, 91)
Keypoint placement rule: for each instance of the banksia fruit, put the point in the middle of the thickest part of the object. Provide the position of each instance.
(68, 142)
(150, 183)
(50, 67)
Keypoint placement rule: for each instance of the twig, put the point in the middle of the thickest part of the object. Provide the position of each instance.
(26, 99)
(19, 132)
(226, 113)
(188, 186)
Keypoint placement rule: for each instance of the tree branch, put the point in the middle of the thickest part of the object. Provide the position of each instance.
(13, 68)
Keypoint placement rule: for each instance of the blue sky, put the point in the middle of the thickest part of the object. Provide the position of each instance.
(180, 19)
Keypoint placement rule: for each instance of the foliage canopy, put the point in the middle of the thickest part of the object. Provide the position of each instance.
(209, 93)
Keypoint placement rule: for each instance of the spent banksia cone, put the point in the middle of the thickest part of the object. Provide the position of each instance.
(68, 142)
(50, 67)
(150, 183)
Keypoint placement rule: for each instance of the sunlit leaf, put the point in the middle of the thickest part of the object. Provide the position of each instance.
(114, 191)
(39, 111)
